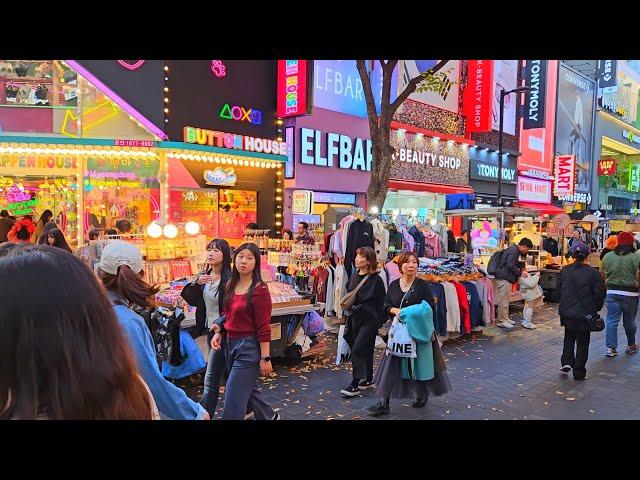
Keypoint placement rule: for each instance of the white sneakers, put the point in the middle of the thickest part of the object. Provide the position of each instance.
(507, 325)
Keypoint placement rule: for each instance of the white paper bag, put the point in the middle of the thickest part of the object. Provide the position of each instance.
(344, 350)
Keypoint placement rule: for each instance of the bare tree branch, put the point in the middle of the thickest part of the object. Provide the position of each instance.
(368, 95)
(411, 86)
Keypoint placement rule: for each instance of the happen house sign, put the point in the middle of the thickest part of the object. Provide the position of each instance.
(428, 160)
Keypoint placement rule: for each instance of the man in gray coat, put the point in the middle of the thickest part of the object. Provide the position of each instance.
(508, 274)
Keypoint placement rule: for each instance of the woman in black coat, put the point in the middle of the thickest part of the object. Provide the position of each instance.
(582, 292)
(364, 320)
(406, 291)
(206, 293)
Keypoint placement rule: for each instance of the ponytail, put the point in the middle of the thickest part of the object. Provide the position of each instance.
(130, 286)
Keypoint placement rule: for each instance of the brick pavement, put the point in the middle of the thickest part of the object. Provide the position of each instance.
(497, 375)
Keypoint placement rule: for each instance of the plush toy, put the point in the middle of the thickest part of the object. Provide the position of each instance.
(6, 70)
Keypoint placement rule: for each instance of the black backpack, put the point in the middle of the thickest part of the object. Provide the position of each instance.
(494, 263)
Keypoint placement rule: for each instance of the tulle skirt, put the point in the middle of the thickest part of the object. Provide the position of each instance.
(389, 381)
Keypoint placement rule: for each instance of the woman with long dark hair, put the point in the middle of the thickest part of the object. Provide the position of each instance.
(206, 293)
(46, 216)
(63, 356)
(364, 319)
(247, 309)
(55, 238)
(50, 225)
(120, 269)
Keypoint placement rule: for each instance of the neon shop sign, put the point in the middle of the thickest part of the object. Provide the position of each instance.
(202, 136)
(241, 114)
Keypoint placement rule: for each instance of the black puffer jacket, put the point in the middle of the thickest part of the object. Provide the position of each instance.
(194, 296)
(508, 269)
(581, 291)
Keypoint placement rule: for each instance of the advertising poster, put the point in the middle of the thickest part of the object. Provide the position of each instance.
(446, 83)
(574, 122)
(505, 77)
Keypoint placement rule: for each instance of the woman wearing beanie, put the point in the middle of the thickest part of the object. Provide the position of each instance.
(609, 246)
(581, 292)
(621, 272)
(120, 270)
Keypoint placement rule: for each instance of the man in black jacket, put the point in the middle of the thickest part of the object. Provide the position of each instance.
(581, 292)
(508, 274)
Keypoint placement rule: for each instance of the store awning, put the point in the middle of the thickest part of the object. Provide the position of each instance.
(427, 187)
(541, 207)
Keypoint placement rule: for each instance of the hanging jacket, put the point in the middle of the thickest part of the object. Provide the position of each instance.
(395, 238)
(408, 243)
(441, 308)
(432, 244)
(381, 236)
(419, 321)
(453, 309)
(418, 239)
(463, 302)
(360, 234)
(475, 305)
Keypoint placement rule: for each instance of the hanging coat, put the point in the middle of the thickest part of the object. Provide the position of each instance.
(418, 238)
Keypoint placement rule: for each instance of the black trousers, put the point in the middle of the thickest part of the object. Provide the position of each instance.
(576, 351)
(363, 347)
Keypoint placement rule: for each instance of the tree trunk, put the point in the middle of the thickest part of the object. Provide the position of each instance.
(380, 127)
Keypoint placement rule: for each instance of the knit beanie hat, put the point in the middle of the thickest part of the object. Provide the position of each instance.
(625, 238)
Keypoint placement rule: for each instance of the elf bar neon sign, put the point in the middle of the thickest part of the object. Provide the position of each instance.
(241, 114)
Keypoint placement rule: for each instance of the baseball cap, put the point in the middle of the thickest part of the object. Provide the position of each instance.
(581, 247)
(119, 253)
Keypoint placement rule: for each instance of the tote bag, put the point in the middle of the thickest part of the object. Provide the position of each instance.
(344, 350)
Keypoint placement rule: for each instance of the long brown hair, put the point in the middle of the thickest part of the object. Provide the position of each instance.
(63, 355)
(256, 278)
(130, 286)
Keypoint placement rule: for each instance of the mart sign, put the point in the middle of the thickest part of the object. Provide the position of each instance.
(565, 175)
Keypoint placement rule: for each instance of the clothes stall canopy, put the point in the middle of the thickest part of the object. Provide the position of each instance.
(543, 208)
(427, 187)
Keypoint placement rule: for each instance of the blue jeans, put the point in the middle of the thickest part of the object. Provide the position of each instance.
(627, 307)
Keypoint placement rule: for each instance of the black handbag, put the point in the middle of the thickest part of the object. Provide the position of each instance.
(595, 323)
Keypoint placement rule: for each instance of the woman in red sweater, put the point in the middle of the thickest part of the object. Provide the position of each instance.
(247, 308)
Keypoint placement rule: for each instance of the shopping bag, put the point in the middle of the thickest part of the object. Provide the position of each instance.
(313, 323)
(400, 342)
(380, 345)
(344, 351)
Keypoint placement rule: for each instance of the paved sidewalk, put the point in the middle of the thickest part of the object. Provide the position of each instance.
(497, 375)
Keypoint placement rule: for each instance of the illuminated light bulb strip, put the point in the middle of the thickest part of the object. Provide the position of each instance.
(225, 159)
(74, 151)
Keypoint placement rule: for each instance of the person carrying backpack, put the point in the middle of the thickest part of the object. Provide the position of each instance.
(507, 273)
(120, 270)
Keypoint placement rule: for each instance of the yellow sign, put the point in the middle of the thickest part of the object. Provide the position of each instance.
(301, 201)
(618, 225)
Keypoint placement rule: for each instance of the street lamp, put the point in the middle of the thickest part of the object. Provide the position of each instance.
(502, 95)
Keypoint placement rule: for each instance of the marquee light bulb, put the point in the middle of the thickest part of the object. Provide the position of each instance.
(192, 228)
(154, 230)
(170, 231)
(374, 210)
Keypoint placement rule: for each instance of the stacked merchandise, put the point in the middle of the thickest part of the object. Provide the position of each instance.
(169, 259)
(170, 297)
(283, 293)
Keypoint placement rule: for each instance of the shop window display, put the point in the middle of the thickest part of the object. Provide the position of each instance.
(31, 195)
(121, 189)
(237, 208)
(45, 96)
(195, 205)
